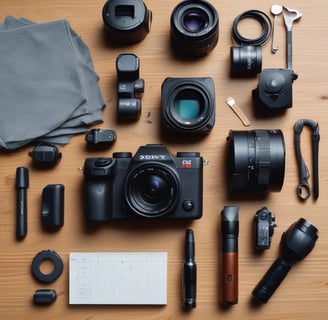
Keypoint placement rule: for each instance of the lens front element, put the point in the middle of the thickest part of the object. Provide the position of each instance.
(194, 20)
(188, 105)
(152, 190)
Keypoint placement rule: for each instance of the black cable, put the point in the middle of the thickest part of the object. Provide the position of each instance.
(264, 21)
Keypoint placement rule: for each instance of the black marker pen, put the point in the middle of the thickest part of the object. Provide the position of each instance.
(189, 277)
(22, 183)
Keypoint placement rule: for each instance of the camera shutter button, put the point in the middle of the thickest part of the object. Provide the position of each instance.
(103, 162)
(187, 205)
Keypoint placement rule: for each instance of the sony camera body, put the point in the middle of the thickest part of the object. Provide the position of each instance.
(151, 184)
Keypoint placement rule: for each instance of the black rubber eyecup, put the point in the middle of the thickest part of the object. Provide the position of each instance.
(57, 261)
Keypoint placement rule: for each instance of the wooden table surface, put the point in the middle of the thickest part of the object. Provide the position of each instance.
(302, 295)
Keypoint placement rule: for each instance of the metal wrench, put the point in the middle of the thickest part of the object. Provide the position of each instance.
(304, 189)
(290, 15)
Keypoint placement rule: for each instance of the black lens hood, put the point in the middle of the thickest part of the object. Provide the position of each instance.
(126, 21)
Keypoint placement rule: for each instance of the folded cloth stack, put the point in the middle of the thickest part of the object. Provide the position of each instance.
(49, 90)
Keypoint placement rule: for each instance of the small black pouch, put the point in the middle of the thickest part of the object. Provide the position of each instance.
(52, 211)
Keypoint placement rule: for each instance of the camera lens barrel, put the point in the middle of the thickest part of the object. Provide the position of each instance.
(152, 190)
(256, 160)
(246, 61)
(194, 28)
(127, 21)
(188, 104)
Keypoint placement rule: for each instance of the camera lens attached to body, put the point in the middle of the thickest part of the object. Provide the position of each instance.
(127, 21)
(194, 28)
(257, 160)
(152, 190)
(188, 104)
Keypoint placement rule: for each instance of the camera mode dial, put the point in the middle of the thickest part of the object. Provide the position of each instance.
(103, 162)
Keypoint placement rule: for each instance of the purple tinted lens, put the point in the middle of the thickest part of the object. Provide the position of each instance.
(194, 21)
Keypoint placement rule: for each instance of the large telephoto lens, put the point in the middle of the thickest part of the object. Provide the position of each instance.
(194, 28)
(152, 190)
(256, 160)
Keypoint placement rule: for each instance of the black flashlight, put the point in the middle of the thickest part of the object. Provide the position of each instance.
(296, 243)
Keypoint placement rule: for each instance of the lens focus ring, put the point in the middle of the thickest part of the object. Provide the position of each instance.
(257, 160)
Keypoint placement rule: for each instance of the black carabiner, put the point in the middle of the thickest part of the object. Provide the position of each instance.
(304, 189)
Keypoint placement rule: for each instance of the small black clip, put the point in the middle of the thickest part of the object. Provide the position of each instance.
(100, 137)
(45, 154)
(264, 228)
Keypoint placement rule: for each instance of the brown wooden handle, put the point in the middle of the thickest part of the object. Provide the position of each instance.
(229, 278)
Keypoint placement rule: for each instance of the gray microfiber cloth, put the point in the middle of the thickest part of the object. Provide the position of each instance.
(49, 90)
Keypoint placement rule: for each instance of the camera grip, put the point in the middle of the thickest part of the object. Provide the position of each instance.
(97, 195)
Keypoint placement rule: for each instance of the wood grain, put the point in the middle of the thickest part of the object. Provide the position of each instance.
(303, 294)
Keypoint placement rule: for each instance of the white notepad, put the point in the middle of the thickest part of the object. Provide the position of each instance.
(118, 278)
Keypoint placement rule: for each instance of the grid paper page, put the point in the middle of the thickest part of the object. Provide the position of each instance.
(118, 278)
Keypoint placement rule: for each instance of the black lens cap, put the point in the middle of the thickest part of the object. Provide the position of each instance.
(52, 256)
(127, 21)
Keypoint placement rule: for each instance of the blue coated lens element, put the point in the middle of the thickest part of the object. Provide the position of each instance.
(187, 109)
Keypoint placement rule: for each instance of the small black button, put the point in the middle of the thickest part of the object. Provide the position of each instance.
(187, 205)
(103, 162)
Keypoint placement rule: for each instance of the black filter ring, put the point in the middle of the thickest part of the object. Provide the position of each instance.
(265, 23)
(57, 261)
